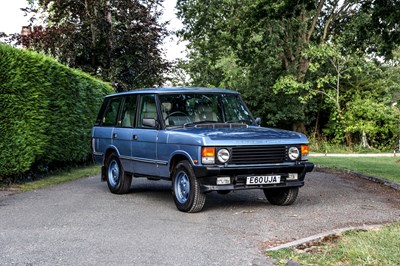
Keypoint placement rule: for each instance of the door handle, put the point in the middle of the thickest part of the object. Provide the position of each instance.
(115, 135)
(135, 137)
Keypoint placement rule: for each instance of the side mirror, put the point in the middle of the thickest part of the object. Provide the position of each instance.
(258, 120)
(150, 122)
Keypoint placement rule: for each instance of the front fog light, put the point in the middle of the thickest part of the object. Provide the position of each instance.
(293, 153)
(223, 155)
(292, 176)
(226, 180)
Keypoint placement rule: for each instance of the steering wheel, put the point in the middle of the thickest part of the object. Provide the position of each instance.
(178, 113)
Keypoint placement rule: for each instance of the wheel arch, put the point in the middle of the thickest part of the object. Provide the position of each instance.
(109, 151)
(175, 159)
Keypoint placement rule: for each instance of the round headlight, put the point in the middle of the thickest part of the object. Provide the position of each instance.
(223, 155)
(293, 153)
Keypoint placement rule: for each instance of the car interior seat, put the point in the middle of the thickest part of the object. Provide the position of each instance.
(166, 109)
(205, 113)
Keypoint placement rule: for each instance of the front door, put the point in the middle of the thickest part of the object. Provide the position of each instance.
(144, 144)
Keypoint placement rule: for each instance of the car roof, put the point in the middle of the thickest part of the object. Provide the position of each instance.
(176, 90)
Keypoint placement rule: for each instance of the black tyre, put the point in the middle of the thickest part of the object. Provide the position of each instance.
(117, 180)
(281, 196)
(186, 189)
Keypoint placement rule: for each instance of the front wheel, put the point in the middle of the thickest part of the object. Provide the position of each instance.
(117, 180)
(281, 196)
(186, 189)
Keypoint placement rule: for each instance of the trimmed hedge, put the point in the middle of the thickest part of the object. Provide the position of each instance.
(46, 111)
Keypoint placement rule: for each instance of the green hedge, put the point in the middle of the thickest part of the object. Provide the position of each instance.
(46, 111)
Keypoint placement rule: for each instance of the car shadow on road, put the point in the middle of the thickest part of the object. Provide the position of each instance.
(151, 188)
(161, 190)
(248, 201)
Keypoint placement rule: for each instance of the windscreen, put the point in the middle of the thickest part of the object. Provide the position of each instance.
(192, 109)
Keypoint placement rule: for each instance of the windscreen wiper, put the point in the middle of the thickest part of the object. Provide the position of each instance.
(192, 124)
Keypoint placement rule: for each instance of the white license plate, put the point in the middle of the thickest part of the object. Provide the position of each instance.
(263, 179)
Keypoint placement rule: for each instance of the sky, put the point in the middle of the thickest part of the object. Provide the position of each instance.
(12, 19)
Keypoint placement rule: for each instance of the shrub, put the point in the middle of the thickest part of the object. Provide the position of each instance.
(47, 111)
(377, 120)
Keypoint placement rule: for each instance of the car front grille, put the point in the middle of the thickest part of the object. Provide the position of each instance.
(258, 154)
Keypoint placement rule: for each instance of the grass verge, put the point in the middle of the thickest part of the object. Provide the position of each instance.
(60, 177)
(387, 168)
(323, 146)
(374, 247)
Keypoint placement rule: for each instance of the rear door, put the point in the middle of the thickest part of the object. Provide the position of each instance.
(123, 133)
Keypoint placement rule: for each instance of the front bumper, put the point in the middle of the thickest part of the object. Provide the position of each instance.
(207, 175)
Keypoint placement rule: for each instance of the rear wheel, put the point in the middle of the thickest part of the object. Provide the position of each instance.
(281, 196)
(186, 189)
(117, 180)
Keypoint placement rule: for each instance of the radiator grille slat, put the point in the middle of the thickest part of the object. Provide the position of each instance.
(258, 154)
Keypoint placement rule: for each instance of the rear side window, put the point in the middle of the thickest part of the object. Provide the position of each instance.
(129, 111)
(111, 112)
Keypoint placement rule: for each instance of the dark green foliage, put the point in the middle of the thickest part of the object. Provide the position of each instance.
(47, 111)
(301, 64)
(117, 40)
(374, 29)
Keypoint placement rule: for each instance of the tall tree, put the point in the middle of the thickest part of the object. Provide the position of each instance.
(118, 40)
(268, 42)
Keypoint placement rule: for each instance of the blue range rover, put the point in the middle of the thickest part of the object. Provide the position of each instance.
(201, 139)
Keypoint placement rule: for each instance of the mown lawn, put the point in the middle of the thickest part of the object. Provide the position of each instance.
(374, 247)
(383, 167)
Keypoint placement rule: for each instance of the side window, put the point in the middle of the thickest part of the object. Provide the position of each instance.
(129, 111)
(100, 115)
(110, 115)
(148, 109)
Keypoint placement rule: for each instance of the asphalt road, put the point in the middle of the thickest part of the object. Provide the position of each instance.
(81, 223)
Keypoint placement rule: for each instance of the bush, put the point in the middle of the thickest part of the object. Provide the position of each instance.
(47, 111)
(378, 121)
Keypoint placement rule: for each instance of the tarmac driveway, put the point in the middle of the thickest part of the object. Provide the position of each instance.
(81, 223)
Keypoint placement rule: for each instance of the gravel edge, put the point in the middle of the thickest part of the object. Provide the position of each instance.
(322, 235)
